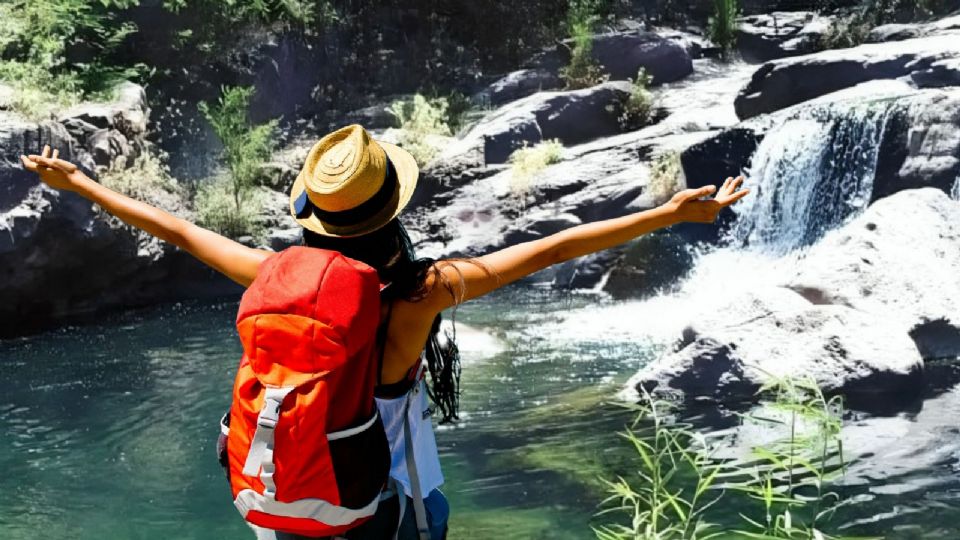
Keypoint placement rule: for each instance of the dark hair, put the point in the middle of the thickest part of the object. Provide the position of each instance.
(390, 252)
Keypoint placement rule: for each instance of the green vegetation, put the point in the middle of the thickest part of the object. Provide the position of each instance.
(35, 39)
(147, 179)
(666, 177)
(852, 29)
(528, 162)
(722, 26)
(582, 71)
(245, 146)
(638, 107)
(421, 119)
(784, 484)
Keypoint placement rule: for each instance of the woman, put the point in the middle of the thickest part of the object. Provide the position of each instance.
(347, 197)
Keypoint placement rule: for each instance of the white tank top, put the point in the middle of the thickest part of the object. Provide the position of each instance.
(421, 430)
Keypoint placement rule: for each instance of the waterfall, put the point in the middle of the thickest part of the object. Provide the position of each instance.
(955, 192)
(810, 173)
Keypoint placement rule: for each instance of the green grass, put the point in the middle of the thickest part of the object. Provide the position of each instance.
(419, 119)
(666, 177)
(722, 26)
(528, 162)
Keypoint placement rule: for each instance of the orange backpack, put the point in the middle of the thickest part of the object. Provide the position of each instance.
(306, 450)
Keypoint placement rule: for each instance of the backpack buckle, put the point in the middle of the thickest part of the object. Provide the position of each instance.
(270, 412)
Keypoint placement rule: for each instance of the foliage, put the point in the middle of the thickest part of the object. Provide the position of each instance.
(722, 26)
(420, 119)
(528, 162)
(148, 179)
(666, 177)
(216, 208)
(245, 146)
(638, 107)
(852, 29)
(785, 480)
(52, 52)
(582, 71)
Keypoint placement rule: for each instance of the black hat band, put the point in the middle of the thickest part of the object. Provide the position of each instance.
(304, 207)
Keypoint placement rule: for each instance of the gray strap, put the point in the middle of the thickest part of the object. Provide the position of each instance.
(421, 512)
(402, 501)
(261, 447)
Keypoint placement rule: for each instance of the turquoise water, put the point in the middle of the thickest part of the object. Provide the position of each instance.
(108, 429)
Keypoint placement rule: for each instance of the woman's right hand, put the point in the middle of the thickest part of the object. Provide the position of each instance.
(53, 171)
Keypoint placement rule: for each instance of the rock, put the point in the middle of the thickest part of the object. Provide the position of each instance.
(127, 113)
(780, 34)
(107, 145)
(376, 116)
(572, 117)
(940, 74)
(650, 265)
(728, 360)
(277, 175)
(281, 239)
(622, 54)
(696, 45)
(516, 85)
(898, 261)
(781, 83)
(921, 144)
(900, 32)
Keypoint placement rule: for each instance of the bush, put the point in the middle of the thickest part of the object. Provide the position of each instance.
(853, 28)
(528, 162)
(582, 71)
(666, 177)
(218, 210)
(722, 26)
(149, 180)
(638, 107)
(420, 119)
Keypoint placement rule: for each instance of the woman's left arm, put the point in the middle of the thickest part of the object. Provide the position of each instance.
(233, 259)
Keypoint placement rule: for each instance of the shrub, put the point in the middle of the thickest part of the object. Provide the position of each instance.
(582, 71)
(638, 107)
(528, 162)
(722, 26)
(217, 209)
(853, 28)
(666, 177)
(148, 179)
(420, 119)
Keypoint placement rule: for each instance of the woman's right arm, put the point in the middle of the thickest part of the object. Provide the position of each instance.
(233, 259)
(469, 279)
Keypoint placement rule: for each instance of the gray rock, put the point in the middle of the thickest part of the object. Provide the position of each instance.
(128, 112)
(516, 85)
(572, 117)
(781, 83)
(780, 34)
(842, 349)
(107, 145)
(900, 32)
(898, 261)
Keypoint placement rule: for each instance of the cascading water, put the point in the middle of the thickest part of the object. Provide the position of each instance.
(955, 192)
(810, 173)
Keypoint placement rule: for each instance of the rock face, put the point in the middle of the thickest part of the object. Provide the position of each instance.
(780, 34)
(860, 312)
(516, 85)
(48, 239)
(781, 83)
(899, 32)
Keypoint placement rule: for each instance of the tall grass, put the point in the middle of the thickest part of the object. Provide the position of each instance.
(528, 162)
(781, 491)
(420, 119)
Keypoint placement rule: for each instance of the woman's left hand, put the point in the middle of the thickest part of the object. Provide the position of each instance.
(689, 205)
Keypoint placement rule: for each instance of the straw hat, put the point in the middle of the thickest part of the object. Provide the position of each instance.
(352, 185)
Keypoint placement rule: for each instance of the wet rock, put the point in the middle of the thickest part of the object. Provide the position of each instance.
(781, 83)
(780, 34)
(897, 261)
(900, 32)
(777, 334)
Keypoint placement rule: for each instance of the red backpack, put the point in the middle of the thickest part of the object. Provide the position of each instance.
(306, 451)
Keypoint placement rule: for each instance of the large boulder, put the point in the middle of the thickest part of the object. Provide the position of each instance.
(902, 31)
(622, 54)
(776, 334)
(785, 82)
(515, 85)
(572, 117)
(780, 34)
(898, 260)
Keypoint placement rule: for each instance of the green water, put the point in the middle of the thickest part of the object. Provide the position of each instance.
(108, 430)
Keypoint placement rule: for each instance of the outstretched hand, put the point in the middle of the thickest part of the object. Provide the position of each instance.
(55, 172)
(689, 204)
